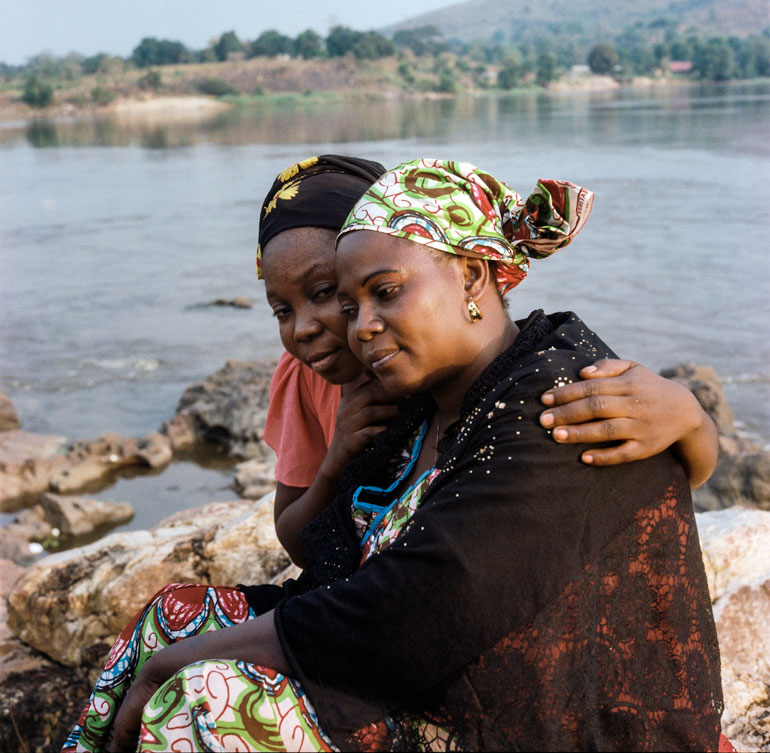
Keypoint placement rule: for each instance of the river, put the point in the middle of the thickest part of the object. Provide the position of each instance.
(114, 236)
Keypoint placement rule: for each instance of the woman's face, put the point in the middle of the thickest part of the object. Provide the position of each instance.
(301, 285)
(406, 311)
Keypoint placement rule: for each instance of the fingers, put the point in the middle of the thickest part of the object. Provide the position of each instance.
(375, 414)
(610, 430)
(603, 378)
(593, 408)
(371, 392)
(622, 453)
(607, 367)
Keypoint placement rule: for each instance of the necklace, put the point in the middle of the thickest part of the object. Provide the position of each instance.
(438, 434)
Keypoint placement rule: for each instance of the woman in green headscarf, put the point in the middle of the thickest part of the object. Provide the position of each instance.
(447, 637)
(507, 595)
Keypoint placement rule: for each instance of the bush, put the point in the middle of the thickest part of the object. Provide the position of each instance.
(405, 71)
(271, 43)
(308, 45)
(216, 87)
(152, 51)
(509, 76)
(227, 44)
(370, 45)
(102, 96)
(150, 80)
(446, 81)
(37, 93)
(341, 40)
(545, 68)
(603, 58)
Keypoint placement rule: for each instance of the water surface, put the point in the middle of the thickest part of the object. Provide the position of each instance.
(111, 236)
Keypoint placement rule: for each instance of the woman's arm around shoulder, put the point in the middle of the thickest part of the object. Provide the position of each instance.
(622, 401)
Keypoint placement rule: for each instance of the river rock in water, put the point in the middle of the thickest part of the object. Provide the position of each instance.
(72, 605)
(736, 553)
(31, 464)
(742, 475)
(62, 521)
(239, 302)
(226, 408)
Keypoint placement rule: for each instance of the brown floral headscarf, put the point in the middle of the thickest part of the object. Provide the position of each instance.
(317, 192)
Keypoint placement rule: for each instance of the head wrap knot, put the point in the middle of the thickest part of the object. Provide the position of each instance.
(457, 208)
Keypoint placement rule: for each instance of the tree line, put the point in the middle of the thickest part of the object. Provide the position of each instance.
(491, 63)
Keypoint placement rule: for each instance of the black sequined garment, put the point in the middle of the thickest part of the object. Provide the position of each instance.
(532, 602)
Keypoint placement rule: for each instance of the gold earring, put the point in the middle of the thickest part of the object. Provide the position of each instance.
(474, 311)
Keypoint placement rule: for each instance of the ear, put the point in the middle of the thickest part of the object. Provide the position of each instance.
(477, 275)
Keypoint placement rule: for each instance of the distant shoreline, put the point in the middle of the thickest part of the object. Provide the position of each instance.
(196, 107)
(189, 92)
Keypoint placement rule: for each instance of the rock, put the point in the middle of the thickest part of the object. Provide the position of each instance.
(706, 385)
(15, 539)
(737, 559)
(155, 450)
(18, 447)
(9, 418)
(32, 464)
(239, 302)
(229, 407)
(25, 460)
(76, 517)
(59, 521)
(71, 605)
(256, 477)
(40, 699)
(742, 475)
(180, 431)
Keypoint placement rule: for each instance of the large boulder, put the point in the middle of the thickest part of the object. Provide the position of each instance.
(736, 554)
(742, 475)
(72, 605)
(40, 699)
(227, 408)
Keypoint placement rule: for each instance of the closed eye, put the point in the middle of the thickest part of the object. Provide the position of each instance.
(387, 292)
(324, 294)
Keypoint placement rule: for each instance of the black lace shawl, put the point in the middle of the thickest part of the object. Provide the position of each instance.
(532, 602)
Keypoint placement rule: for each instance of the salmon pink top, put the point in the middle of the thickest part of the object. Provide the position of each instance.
(300, 420)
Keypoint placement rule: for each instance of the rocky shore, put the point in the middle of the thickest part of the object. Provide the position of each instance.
(59, 614)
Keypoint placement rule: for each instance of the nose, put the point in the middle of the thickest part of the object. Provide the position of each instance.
(306, 326)
(367, 324)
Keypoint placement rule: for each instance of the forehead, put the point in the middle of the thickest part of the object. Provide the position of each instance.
(293, 255)
(365, 252)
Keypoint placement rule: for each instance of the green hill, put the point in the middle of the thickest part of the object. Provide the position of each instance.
(518, 21)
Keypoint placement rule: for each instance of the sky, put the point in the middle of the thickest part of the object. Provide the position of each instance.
(29, 27)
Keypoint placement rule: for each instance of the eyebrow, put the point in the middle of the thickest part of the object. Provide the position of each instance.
(378, 272)
(312, 269)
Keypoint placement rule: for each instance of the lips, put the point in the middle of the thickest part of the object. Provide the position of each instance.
(322, 361)
(380, 358)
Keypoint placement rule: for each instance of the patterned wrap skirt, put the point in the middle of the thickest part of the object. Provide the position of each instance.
(208, 706)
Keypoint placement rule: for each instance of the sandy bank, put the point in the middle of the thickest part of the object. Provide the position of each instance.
(172, 108)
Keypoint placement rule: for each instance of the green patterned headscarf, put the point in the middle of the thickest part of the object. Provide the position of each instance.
(457, 208)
